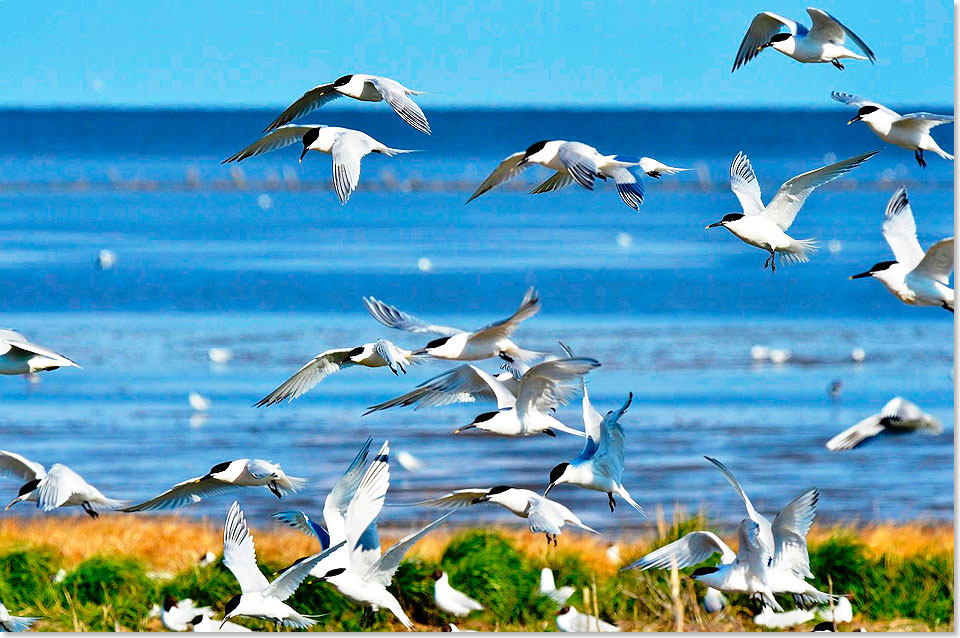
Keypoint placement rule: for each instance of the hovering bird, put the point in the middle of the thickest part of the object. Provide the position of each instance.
(59, 487)
(898, 416)
(543, 515)
(822, 43)
(259, 598)
(14, 623)
(765, 226)
(19, 356)
(379, 354)
(463, 384)
(549, 589)
(450, 600)
(915, 278)
(346, 146)
(209, 625)
(571, 620)
(224, 477)
(350, 511)
(910, 131)
(177, 614)
(599, 466)
(366, 88)
(576, 162)
(492, 340)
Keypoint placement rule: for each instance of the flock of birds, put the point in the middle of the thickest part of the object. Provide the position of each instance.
(771, 557)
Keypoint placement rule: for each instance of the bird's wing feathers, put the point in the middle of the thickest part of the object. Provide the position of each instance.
(14, 465)
(763, 27)
(504, 328)
(367, 501)
(277, 138)
(394, 94)
(608, 461)
(286, 583)
(900, 230)
(693, 548)
(505, 170)
(855, 435)
(786, 204)
(460, 385)
(394, 318)
(552, 383)
(857, 102)
(383, 570)
(310, 101)
(826, 28)
(57, 486)
(239, 553)
(937, 264)
(347, 151)
(921, 121)
(312, 373)
(578, 159)
(744, 184)
(455, 499)
(184, 493)
(555, 182)
(299, 520)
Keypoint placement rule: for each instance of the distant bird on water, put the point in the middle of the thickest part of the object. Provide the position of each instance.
(822, 43)
(914, 277)
(580, 163)
(765, 226)
(365, 88)
(898, 416)
(19, 356)
(910, 131)
(347, 147)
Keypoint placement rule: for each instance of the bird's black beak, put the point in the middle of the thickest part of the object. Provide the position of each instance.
(480, 499)
(714, 225)
(223, 623)
(549, 487)
(465, 427)
(764, 46)
(862, 275)
(304, 152)
(419, 353)
(856, 119)
(523, 160)
(276, 490)
(333, 572)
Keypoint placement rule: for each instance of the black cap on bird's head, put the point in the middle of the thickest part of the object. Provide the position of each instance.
(555, 475)
(703, 571)
(480, 418)
(196, 620)
(231, 605)
(169, 603)
(219, 467)
(864, 111)
(499, 489)
(563, 610)
(356, 352)
(437, 575)
(28, 487)
(879, 267)
(309, 138)
(779, 37)
(436, 343)
(729, 217)
(341, 81)
(533, 149)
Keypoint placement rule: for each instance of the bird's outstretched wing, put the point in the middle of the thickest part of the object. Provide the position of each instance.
(764, 26)
(31, 349)
(57, 486)
(744, 184)
(790, 528)
(185, 493)
(463, 384)
(760, 519)
(367, 501)
(826, 28)
(608, 461)
(786, 204)
(751, 550)
(299, 520)
(900, 230)
(310, 101)
(16, 466)
(578, 159)
(857, 434)
(693, 548)
(349, 147)
(858, 102)
(277, 138)
(389, 352)
(383, 570)
(312, 373)
(286, 583)
(921, 121)
(239, 553)
(555, 182)
(552, 383)
(395, 318)
(505, 170)
(337, 501)
(937, 264)
(396, 96)
(454, 500)
(529, 306)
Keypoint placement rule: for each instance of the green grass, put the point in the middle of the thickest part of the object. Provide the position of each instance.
(104, 593)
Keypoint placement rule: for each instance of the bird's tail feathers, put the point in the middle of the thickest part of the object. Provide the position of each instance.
(585, 527)
(291, 484)
(631, 192)
(625, 495)
(799, 251)
(299, 621)
(945, 155)
(390, 152)
(107, 504)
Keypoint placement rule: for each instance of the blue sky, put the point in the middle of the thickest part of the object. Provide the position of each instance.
(512, 52)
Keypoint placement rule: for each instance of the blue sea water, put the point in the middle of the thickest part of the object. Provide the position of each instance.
(261, 258)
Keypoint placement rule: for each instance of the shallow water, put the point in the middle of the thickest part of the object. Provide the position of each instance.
(275, 271)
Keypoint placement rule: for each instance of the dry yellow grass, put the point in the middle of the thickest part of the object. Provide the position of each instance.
(173, 542)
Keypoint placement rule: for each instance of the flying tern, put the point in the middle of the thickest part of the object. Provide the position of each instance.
(765, 226)
(576, 162)
(898, 416)
(910, 131)
(19, 356)
(914, 277)
(543, 515)
(450, 600)
(822, 43)
(258, 597)
(224, 477)
(59, 487)
(492, 340)
(365, 88)
(599, 466)
(379, 354)
(346, 146)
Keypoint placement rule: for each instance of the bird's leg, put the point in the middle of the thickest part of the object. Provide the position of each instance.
(550, 432)
(654, 174)
(506, 357)
(837, 64)
(276, 490)
(773, 261)
(554, 540)
(89, 510)
(946, 307)
(613, 503)
(548, 539)
(919, 155)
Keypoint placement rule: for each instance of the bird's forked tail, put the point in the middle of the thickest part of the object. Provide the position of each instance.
(799, 251)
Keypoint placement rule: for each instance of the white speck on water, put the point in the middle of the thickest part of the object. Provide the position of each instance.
(424, 264)
(834, 246)
(858, 355)
(265, 202)
(624, 240)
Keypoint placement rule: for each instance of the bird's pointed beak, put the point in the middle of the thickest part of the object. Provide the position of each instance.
(714, 225)
(480, 499)
(466, 427)
(861, 275)
(523, 160)
(12, 503)
(419, 353)
(856, 119)
(549, 487)
(223, 623)
(304, 152)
